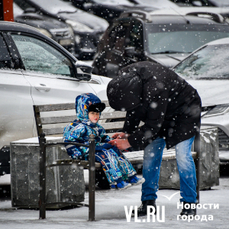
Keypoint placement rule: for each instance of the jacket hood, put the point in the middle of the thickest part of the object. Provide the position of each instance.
(82, 104)
(125, 91)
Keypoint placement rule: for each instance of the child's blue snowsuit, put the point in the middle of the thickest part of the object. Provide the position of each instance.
(114, 163)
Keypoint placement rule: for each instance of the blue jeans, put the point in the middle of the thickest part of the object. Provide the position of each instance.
(186, 167)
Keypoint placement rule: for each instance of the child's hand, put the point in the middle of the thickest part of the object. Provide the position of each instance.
(119, 135)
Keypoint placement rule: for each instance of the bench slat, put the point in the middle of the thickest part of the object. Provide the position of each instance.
(53, 131)
(113, 125)
(82, 163)
(56, 107)
(60, 130)
(56, 120)
(70, 118)
(114, 114)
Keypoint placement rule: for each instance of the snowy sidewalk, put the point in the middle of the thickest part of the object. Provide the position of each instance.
(110, 212)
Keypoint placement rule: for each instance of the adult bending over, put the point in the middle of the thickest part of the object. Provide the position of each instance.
(170, 109)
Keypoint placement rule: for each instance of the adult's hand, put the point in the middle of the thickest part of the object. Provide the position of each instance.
(120, 143)
(119, 135)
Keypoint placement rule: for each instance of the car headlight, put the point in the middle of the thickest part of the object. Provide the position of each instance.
(79, 27)
(217, 110)
(45, 32)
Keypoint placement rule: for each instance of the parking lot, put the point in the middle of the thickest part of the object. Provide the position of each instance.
(75, 51)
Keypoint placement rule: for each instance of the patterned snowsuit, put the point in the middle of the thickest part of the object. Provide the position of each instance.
(114, 163)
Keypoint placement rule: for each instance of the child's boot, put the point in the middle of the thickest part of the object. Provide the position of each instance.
(120, 184)
(123, 185)
(134, 180)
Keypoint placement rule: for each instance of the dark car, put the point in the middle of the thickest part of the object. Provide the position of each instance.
(88, 28)
(194, 2)
(51, 27)
(162, 38)
(109, 10)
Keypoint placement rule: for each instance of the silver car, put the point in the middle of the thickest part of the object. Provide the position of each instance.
(34, 69)
(207, 70)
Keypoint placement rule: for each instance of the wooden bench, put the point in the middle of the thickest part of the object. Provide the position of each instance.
(51, 120)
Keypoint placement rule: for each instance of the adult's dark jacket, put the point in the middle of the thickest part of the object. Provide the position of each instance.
(168, 106)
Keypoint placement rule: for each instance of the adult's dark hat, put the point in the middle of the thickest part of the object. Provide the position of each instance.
(124, 92)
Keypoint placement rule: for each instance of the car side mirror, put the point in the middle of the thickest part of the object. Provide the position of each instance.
(83, 70)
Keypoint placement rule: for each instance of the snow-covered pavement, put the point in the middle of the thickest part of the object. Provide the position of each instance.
(110, 211)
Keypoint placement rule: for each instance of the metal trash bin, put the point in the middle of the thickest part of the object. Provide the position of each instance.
(64, 183)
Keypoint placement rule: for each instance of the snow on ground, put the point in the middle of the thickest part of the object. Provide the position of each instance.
(110, 211)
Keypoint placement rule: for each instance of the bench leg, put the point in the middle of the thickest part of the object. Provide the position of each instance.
(92, 180)
(42, 177)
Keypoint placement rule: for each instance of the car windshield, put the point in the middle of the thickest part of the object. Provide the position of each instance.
(55, 6)
(210, 62)
(157, 3)
(114, 2)
(181, 38)
(221, 3)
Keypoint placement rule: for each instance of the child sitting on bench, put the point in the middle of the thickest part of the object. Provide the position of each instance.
(118, 170)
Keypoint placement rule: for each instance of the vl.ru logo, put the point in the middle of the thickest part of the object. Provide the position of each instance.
(150, 216)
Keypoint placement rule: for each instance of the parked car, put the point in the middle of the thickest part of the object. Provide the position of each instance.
(88, 28)
(51, 27)
(214, 3)
(203, 11)
(223, 11)
(34, 69)
(162, 38)
(197, 3)
(207, 70)
(109, 10)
